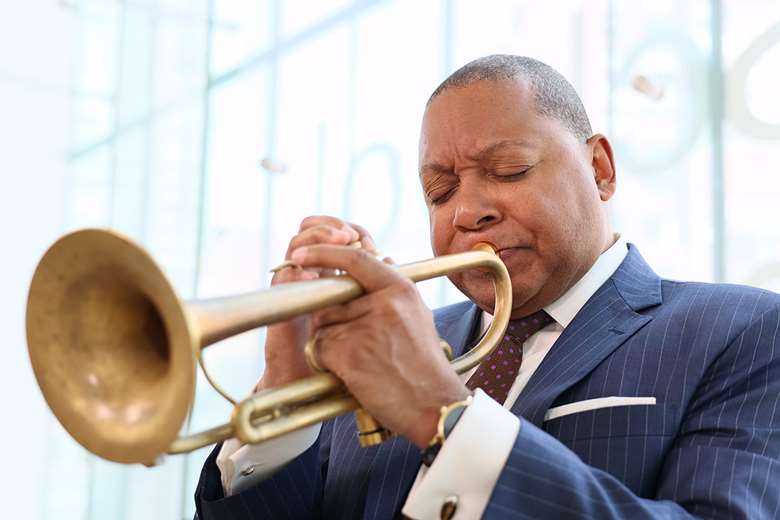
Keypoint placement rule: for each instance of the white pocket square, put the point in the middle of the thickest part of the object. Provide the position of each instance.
(595, 404)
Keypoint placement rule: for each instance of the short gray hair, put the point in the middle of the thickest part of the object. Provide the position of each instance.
(554, 96)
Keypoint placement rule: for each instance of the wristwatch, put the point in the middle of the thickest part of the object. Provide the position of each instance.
(448, 418)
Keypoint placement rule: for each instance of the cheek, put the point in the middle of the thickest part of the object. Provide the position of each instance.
(552, 219)
(441, 233)
(565, 221)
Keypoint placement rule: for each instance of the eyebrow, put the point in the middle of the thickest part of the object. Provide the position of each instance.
(495, 147)
(480, 156)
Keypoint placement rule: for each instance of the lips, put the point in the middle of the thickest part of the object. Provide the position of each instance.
(508, 253)
(503, 251)
(513, 257)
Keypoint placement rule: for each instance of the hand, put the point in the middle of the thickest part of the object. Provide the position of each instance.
(384, 345)
(284, 359)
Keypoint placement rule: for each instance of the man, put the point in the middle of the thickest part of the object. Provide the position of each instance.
(635, 397)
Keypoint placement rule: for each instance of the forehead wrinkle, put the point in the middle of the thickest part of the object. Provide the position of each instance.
(435, 168)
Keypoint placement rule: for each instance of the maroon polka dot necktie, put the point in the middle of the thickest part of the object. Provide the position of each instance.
(498, 371)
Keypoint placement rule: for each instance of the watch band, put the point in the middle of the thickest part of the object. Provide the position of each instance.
(448, 418)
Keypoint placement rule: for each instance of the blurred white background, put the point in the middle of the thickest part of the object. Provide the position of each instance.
(156, 117)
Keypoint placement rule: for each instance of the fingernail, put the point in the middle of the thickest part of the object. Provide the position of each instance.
(299, 255)
(354, 235)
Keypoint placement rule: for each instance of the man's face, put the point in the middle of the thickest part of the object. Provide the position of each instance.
(494, 170)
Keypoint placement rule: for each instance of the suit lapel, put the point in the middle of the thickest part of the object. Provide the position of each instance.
(606, 321)
(459, 325)
(397, 461)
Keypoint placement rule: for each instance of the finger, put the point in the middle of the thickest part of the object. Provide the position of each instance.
(327, 347)
(321, 234)
(327, 220)
(342, 313)
(389, 261)
(292, 274)
(357, 232)
(369, 272)
(336, 342)
(366, 241)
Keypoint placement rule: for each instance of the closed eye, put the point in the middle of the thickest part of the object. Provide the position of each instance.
(441, 196)
(508, 177)
(440, 187)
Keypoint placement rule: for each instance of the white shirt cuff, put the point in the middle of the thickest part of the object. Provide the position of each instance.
(244, 465)
(469, 463)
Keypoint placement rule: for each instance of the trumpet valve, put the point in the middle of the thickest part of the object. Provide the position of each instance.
(370, 432)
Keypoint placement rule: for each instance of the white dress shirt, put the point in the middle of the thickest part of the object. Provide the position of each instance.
(486, 431)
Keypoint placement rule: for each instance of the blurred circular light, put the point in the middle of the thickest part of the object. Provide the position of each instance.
(659, 106)
(753, 85)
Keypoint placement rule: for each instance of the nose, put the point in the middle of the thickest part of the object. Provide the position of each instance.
(474, 211)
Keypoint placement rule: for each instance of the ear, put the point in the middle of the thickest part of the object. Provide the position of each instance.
(603, 165)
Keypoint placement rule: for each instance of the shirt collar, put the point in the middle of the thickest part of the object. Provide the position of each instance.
(564, 309)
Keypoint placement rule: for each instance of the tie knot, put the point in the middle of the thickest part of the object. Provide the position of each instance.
(522, 329)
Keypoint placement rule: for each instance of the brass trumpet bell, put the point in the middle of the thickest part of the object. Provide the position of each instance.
(111, 345)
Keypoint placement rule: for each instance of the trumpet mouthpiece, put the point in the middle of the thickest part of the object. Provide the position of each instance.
(485, 246)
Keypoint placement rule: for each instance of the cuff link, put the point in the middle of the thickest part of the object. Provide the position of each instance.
(449, 507)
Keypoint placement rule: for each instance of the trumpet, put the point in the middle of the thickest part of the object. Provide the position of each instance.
(114, 349)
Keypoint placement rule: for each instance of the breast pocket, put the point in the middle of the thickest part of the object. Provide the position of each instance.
(660, 419)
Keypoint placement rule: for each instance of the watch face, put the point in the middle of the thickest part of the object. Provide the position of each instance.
(452, 418)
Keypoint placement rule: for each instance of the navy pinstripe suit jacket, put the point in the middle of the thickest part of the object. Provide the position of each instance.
(710, 447)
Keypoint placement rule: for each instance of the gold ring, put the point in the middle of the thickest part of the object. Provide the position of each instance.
(310, 352)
